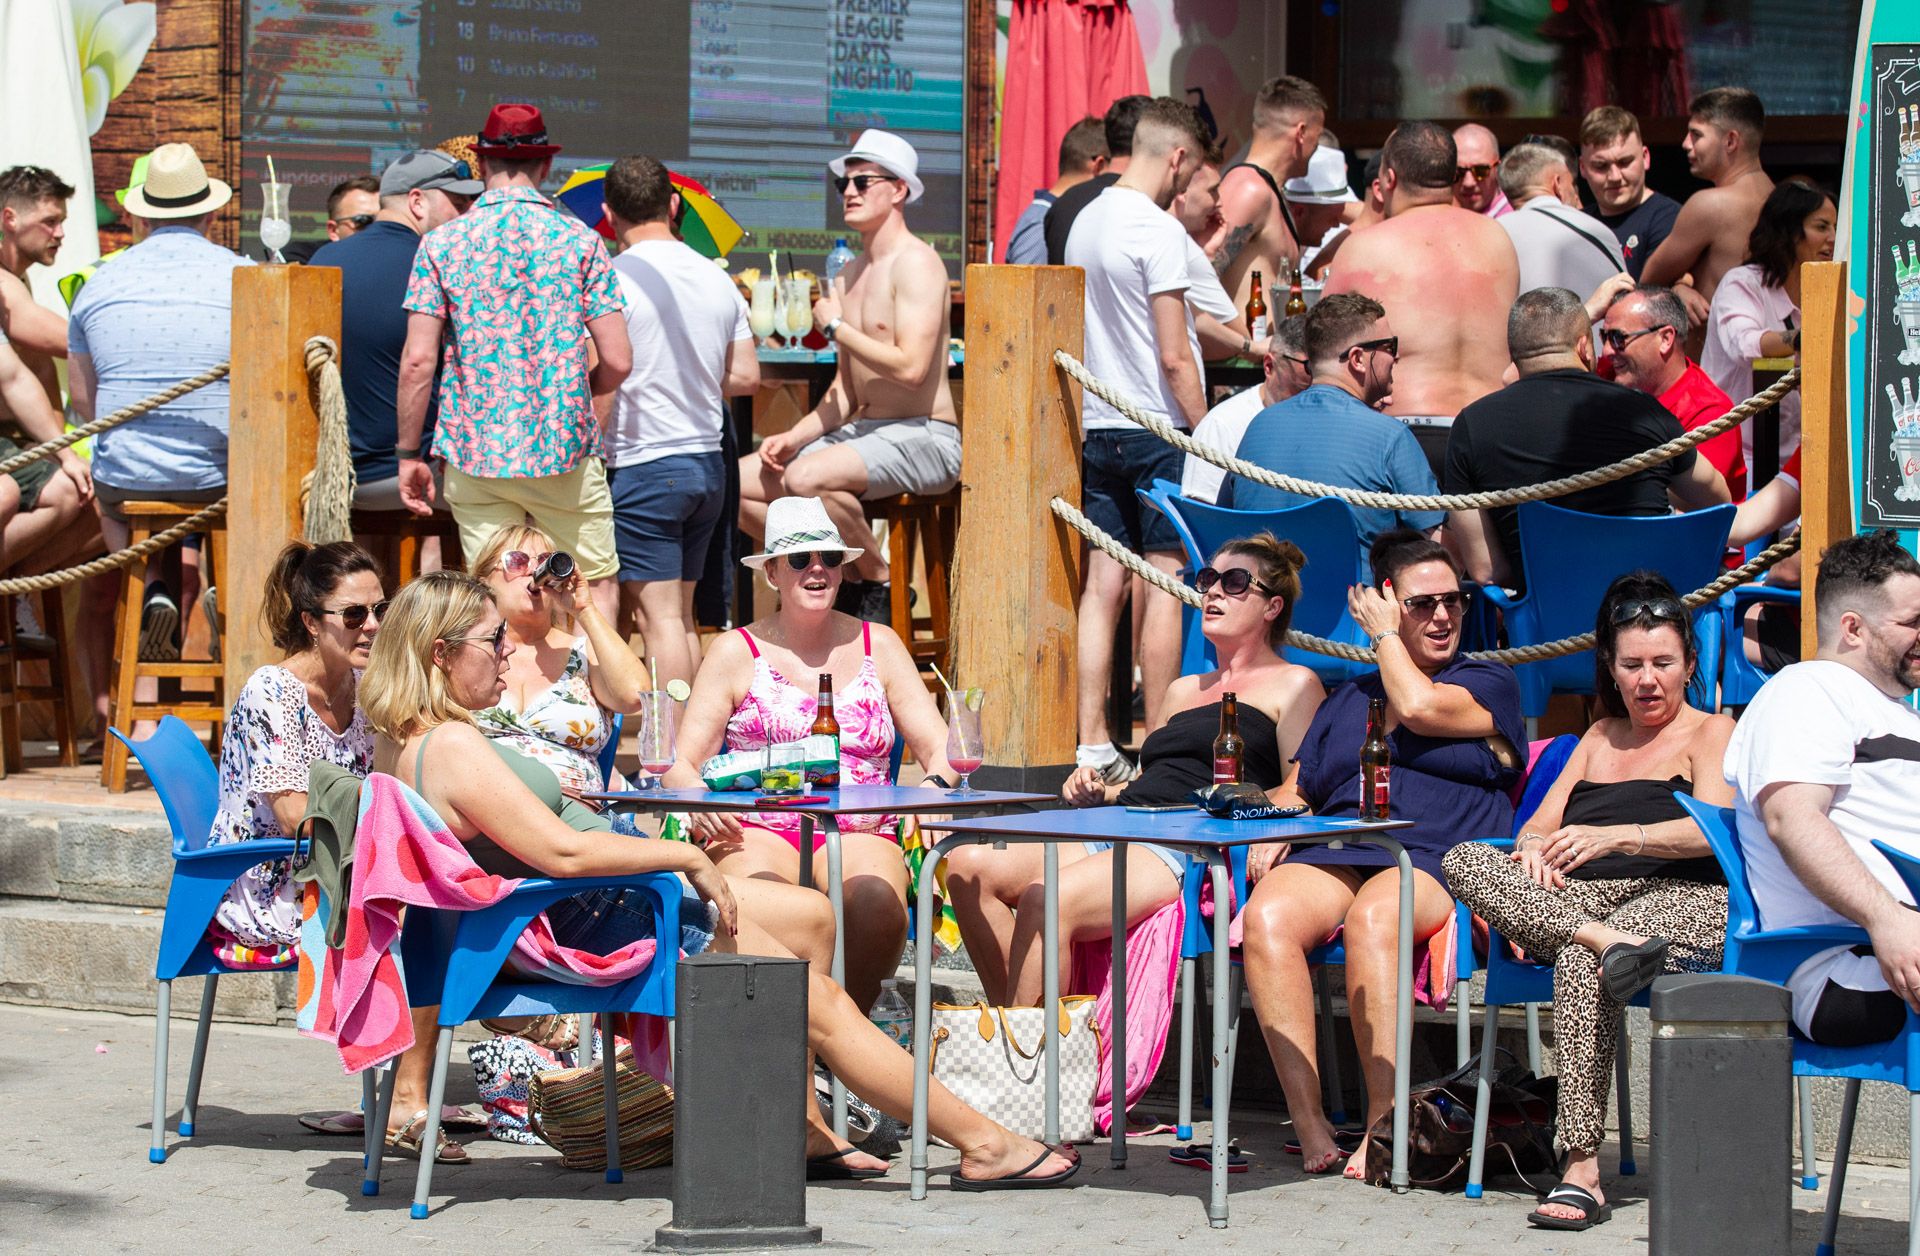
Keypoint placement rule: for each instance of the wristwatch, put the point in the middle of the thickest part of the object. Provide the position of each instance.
(833, 326)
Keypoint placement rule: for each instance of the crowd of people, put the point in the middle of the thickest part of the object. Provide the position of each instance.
(1473, 327)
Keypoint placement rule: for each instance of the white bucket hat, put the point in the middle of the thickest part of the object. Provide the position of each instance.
(889, 152)
(796, 525)
(1326, 181)
(176, 186)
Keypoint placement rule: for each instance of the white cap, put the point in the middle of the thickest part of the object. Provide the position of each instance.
(1326, 181)
(797, 524)
(889, 152)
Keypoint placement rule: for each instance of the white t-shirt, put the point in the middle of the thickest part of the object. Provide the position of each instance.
(1222, 429)
(1205, 295)
(1823, 723)
(682, 314)
(1132, 251)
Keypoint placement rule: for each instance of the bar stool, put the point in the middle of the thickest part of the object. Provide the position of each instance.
(144, 519)
(394, 537)
(17, 691)
(933, 522)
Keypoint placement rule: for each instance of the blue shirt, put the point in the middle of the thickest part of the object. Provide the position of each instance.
(1328, 435)
(162, 312)
(1027, 243)
(375, 263)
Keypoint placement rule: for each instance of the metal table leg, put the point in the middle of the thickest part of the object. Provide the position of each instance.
(1050, 996)
(1118, 1029)
(837, 1093)
(1222, 988)
(1403, 1018)
(923, 1014)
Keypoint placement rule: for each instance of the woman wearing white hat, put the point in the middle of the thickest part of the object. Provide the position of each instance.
(756, 687)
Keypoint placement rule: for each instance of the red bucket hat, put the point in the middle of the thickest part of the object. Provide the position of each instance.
(515, 132)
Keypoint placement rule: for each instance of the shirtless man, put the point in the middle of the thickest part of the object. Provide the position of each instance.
(1259, 233)
(1709, 238)
(887, 425)
(1447, 277)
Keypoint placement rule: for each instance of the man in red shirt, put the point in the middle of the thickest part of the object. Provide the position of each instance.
(1645, 334)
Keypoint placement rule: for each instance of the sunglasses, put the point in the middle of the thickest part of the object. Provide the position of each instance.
(1390, 345)
(1233, 582)
(1422, 605)
(1288, 357)
(800, 560)
(860, 182)
(1653, 608)
(497, 639)
(354, 616)
(1617, 341)
(1479, 170)
(357, 221)
(550, 568)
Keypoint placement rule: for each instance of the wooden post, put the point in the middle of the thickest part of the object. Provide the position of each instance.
(1017, 567)
(1826, 465)
(273, 429)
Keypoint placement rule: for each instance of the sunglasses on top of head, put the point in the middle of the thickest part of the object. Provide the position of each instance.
(860, 182)
(800, 560)
(353, 616)
(1233, 582)
(1652, 608)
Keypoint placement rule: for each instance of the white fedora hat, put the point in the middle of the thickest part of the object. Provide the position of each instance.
(176, 186)
(1326, 181)
(796, 525)
(889, 152)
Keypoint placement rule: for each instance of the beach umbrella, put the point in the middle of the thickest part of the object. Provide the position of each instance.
(704, 223)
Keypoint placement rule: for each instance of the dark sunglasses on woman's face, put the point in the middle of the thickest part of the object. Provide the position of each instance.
(800, 560)
(1423, 604)
(355, 616)
(1654, 608)
(1233, 582)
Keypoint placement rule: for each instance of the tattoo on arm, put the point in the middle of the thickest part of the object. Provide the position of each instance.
(1231, 246)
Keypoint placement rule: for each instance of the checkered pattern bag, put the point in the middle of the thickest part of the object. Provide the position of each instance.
(993, 1059)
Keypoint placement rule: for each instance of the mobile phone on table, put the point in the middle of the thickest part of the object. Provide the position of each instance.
(1155, 808)
(800, 800)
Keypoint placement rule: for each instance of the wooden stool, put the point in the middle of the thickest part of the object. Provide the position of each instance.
(63, 680)
(394, 536)
(933, 522)
(144, 519)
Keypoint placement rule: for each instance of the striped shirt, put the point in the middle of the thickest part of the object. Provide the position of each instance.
(161, 313)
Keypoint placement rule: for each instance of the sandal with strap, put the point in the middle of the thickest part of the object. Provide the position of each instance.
(1567, 1195)
(406, 1141)
(1020, 1181)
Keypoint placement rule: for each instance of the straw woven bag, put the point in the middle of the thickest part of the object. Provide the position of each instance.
(568, 1113)
(993, 1060)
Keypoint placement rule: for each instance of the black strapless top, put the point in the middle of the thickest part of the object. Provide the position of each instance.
(1636, 802)
(1177, 758)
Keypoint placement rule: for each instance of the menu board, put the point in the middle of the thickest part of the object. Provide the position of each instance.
(750, 97)
(1890, 323)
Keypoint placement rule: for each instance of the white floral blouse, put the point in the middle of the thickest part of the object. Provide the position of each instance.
(564, 726)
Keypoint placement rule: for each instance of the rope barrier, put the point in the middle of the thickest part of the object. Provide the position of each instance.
(327, 509)
(1360, 654)
(1423, 501)
(125, 414)
(120, 558)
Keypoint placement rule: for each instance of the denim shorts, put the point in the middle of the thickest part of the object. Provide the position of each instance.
(600, 922)
(1113, 463)
(665, 513)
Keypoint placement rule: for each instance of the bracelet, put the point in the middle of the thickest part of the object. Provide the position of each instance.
(1378, 637)
(938, 779)
(1643, 838)
(407, 455)
(1520, 841)
(1246, 347)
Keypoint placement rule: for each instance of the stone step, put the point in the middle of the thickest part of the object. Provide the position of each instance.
(84, 854)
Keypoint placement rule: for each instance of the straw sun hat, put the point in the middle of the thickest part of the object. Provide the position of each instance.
(797, 524)
(176, 186)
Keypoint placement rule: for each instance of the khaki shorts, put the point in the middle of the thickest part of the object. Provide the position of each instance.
(920, 456)
(575, 509)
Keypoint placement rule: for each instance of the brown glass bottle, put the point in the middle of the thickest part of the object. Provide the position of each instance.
(1257, 311)
(1229, 748)
(1376, 763)
(1296, 299)
(825, 725)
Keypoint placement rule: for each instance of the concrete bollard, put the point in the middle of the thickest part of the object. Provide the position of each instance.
(1722, 1091)
(739, 1078)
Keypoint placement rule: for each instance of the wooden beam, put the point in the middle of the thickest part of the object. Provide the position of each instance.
(270, 448)
(1826, 465)
(1017, 567)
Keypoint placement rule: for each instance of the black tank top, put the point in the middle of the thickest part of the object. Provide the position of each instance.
(1636, 802)
(1177, 758)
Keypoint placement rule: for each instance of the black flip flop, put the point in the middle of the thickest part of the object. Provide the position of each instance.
(1627, 970)
(1020, 1181)
(1200, 1156)
(833, 1167)
(1346, 1141)
(1568, 1195)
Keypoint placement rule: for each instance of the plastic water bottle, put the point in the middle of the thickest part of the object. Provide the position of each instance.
(839, 257)
(892, 1015)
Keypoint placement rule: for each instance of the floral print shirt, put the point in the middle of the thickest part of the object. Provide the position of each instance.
(564, 726)
(516, 279)
(273, 735)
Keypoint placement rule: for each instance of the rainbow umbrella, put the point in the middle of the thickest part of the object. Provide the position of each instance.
(704, 224)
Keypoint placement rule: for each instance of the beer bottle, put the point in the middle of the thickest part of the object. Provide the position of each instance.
(1296, 299)
(825, 725)
(1376, 763)
(1257, 310)
(1229, 748)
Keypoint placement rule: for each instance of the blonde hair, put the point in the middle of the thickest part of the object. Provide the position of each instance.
(402, 692)
(517, 536)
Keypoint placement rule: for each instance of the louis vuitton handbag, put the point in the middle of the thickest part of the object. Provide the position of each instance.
(993, 1059)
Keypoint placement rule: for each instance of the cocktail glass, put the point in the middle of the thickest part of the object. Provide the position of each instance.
(659, 726)
(799, 315)
(276, 230)
(964, 747)
(763, 319)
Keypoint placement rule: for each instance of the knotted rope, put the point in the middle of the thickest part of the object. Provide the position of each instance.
(327, 490)
(120, 558)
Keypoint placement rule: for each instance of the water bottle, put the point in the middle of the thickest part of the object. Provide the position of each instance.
(892, 1015)
(837, 259)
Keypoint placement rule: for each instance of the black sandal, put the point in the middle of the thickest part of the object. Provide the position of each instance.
(1626, 970)
(1020, 1181)
(832, 1166)
(1567, 1195)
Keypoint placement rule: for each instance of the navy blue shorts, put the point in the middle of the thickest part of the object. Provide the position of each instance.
(665, 513)
(600, 922)
(1113, 464)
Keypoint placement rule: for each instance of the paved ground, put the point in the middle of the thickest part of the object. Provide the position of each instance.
(76, 1179)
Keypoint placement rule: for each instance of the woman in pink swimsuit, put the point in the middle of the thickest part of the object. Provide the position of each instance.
(758, 687)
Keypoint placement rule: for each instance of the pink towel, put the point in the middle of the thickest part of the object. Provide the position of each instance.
(404, 856)
(1153, 966)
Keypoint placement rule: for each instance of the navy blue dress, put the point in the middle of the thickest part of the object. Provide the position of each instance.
(1453, 789)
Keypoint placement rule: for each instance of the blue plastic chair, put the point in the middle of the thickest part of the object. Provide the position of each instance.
(611, 751)
(1740, 680)
(1570, 557)
(188, 784)
(1326, 533)
(1772, 955)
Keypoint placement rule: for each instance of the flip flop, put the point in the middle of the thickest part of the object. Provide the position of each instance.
(1200, 1156)
(1020, 1181)
(1346, 1140)
(1627, 970)
(452, 1116)
(1568, 1195)
(833, 1167)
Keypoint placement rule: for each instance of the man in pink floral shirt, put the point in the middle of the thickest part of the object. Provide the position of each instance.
(523, 287)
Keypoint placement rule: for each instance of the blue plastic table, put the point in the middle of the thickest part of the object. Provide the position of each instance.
(1208, 840)
(850, 801)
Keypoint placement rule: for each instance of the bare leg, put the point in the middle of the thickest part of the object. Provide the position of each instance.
(1086, 911)
(658, 605)
(759, 484)
(984, 885)
(52, 517)
(1159, 642)
(413, 1071)
(837, 475)
(690, 625)
(1099, 616)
